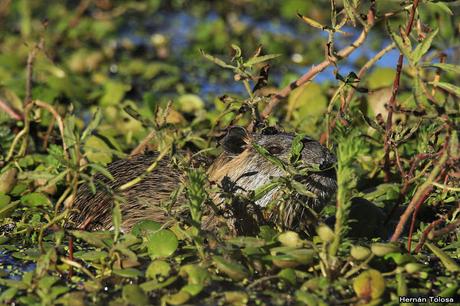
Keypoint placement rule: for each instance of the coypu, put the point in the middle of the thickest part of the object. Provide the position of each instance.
(239, 163)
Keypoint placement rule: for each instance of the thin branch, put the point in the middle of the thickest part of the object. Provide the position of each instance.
(392, 102)
(420, 195)
(29, 70)
(10, 111)
(307, 77)
(445, 230)
(367, 66)
(141, 147)
(58, 119)
(425, 233)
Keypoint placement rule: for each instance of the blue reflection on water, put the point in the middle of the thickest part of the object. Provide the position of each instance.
(14, 268)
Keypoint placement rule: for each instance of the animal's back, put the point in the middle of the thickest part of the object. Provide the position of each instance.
(140, 201)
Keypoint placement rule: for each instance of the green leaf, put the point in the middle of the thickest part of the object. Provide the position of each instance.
(114, 92)
(134, 295)
(312, 22)
(448, 87)
(196, 274)
(302, 189)
(423, 47)
(93, 238)
(446, 67)
(145, 227)
(448, 262)
(261, 191)
(442, 6)
(369, 285)
(297, 147)
(116, 218)
(4, 200)
(402, 44)
(178, 298)
(289, 275)
(101, 169)
(92, 125)
(192, 289)
(275, 160)
(162, 243)
(259, 59)
(128, 272)
(216, 60)
(157, 267)
(97, 150)
(35, 199)
(233, 270)
(93, 256)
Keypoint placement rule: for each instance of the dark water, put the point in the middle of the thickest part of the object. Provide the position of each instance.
(12, 268)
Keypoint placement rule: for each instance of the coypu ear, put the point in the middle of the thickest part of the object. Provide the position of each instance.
(236, 140)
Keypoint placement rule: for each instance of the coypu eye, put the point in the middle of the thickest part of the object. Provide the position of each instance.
(275, 150)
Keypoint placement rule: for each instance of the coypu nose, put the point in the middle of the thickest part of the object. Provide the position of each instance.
(328, 161)
(316, 153)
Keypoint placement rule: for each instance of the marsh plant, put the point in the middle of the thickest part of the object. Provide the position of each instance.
(92, 82)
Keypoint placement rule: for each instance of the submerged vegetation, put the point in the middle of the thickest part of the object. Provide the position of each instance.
(84, 83)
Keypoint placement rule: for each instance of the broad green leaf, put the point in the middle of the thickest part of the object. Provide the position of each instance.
(192, 289)
(134, 295)
(145, 227)
(162, 243)
(157, 267)
(35, 199)
(114, 92)
(97, 150)
(369, 285)
(196, 275)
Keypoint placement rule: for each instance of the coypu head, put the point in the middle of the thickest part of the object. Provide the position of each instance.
(247, 169)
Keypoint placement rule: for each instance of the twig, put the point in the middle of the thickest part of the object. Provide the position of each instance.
(367, 66)
(141, 147)
(345, 52)
(445, 230)
(425, 234)
(392, 102)
(59, 122)
(10, 111)
(29, 71)
(420, 195)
